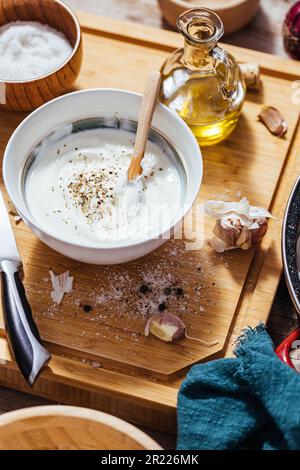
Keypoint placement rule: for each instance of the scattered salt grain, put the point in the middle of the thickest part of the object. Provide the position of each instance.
(62, 284)
(29, 50)
(96, 364)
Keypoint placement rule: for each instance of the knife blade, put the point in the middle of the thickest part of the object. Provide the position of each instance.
(23, 335)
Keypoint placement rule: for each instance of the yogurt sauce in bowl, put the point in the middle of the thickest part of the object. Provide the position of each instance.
(76, 184)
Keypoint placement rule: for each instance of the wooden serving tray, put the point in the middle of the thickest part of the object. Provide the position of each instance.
(101, 358)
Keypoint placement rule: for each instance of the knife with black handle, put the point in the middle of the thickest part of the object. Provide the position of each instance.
(24, 339)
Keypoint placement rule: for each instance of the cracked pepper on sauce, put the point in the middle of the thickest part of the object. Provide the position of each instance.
(79, 190)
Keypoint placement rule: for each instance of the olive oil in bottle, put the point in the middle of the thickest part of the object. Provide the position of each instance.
(201, 81)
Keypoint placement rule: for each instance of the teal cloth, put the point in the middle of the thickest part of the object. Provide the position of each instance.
(248, 402)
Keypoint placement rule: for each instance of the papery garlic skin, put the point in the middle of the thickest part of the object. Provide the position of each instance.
(62, 284)
(241, 211)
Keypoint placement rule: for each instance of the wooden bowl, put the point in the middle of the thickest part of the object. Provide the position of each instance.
(30, 94)
(234, 13)
(69, 428)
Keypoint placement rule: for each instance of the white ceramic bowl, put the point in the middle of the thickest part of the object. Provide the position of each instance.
(87, 104)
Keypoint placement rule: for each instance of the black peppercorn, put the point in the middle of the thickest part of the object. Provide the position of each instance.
(179, 291)
(144, 289)
(162, 307)
(87, 308)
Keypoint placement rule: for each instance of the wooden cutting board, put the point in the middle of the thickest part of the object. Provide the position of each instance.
(101, 358)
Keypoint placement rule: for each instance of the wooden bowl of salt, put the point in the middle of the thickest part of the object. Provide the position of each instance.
(69, 428)
(40, 50)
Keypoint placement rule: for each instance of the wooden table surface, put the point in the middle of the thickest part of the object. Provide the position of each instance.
(263, 34)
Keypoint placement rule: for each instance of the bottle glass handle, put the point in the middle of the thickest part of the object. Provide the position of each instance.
(227, 72)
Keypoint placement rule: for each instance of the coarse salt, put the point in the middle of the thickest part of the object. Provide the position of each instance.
(29, 50)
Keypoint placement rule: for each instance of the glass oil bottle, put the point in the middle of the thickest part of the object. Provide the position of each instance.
(201, 81)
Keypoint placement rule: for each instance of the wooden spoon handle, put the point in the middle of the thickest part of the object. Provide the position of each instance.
(149, 101)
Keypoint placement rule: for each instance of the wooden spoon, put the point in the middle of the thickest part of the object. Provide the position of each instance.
(144, 123)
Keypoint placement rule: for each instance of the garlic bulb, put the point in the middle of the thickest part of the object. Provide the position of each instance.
(238, 225)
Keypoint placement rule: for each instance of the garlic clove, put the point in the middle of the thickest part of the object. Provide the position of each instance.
(226, 233)
(272, 118)
(218, 245)
(246, 246)
(166, 327)
(259, 232)
(244, 238)
(169, 328)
